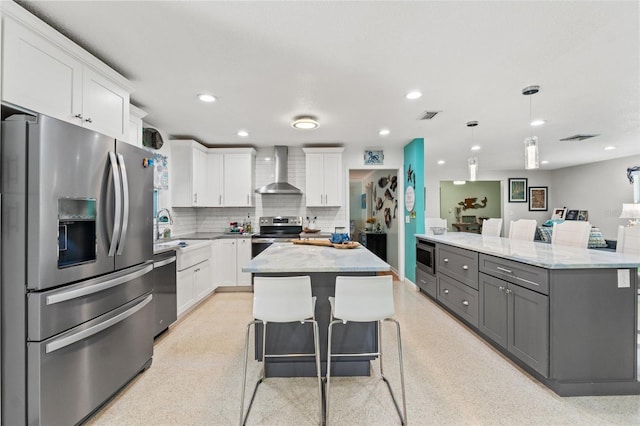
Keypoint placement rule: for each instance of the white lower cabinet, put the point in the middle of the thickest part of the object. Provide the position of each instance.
(232, 254)
(194, 275)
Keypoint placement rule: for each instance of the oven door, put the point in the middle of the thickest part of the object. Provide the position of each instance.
(426, 257)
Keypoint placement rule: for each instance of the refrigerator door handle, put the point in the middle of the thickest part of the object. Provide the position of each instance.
(118, 214)
(99, 286)
(125, 204)
(85, 334)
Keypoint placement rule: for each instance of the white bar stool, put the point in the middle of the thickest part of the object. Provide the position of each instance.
(365, 299)
(280, 299)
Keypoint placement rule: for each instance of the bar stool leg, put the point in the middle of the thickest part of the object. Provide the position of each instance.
(243, 417)
(326, 410)
(403, 413)
(316, 341)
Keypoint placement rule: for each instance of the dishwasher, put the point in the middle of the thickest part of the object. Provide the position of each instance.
(164, 291)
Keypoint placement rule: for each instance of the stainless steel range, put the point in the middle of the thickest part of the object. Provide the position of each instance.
(275, 229)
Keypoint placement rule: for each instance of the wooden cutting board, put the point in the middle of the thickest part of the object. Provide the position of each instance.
(327, 243)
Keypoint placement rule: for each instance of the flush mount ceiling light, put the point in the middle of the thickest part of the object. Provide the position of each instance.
(531, 159)
(609, 148)
(475, 148)
(440, 162)
(544, 162)
(305, 122)
(384, 132)
(537, 123)
(243, 133)
(205, 97)
(413, 95)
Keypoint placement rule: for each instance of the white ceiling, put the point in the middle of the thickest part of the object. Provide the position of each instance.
(350, 63)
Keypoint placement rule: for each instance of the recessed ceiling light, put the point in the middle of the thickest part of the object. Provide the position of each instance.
(475, 148)
(441, 162)
(544, 162)
(384, 132)
(305, 122)
(413, 95)
(243, 133)
(537, 122)
(609, 148)
(205, 97)
(459, 182)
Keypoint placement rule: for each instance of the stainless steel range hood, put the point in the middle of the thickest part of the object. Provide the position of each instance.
(280, 186)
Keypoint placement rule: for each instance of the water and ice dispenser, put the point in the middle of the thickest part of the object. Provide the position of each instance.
(76, 231)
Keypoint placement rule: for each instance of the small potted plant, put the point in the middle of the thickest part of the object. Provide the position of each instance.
(370, 222)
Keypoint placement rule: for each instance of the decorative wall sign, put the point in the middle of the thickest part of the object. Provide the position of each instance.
(373, 157)
(538, 198)
(409, 198)
(470, 203)
(517, 190)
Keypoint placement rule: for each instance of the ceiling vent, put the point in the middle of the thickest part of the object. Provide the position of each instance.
(578, 137)
(428, 115)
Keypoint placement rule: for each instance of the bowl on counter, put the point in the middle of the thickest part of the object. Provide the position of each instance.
(338, 238)
(438, 230)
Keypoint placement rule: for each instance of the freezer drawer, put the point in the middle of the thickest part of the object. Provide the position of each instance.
(52, 312)
(72, 374)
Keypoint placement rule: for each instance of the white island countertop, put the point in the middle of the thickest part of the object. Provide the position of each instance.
(288, 257)
(536, 253)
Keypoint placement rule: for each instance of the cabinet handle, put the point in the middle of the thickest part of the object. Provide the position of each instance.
(88, 120)
(446, 291)
(423, 281)
(465, 302)
(504, 270)
(247, 200)
(501, 288)
(195, 197)
(445, 260)
(508, 291)
(78, 116)
(465, 267)
(219, 200)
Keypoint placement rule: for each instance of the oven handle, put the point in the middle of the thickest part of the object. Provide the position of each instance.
(85, 334)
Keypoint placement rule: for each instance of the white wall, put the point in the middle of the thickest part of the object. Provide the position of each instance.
(600, 188)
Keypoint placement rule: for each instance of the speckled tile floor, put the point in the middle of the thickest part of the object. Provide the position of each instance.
(452, 378)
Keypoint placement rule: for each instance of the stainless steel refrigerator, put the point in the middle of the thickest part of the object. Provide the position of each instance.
(76, 253)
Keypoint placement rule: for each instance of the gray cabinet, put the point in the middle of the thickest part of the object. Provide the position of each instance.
(426, 282)
(517, 319)
(457, 281)
(457, 263)
(460, 298)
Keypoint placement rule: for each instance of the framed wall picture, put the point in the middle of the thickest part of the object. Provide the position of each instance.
(559, 213)
(538, 198)
(583, 215)
(517, 190)
(373, 157)
(571, 215)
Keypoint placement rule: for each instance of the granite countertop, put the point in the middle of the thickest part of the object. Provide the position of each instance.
(535, 253)
(288, 257)
(212, 235)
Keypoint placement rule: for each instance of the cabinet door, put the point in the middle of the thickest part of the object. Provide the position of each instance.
(238, 182)
(315, 180)
(528, 325)
(333, 180)
(493, 309)
(105, 105)
(135, 132)
(182, 173)
(203, 197)
(39, 76)
(227, 258)
(214, 179)
(202, 280)
(184, 289)
(243, 258)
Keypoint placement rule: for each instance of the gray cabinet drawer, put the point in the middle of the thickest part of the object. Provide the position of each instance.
(460, 298)
(457, 263)
(531, 277)
(427, 283)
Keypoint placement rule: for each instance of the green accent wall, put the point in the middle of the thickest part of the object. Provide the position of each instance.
(414, 177)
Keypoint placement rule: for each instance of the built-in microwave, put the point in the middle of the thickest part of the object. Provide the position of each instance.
(426, 257)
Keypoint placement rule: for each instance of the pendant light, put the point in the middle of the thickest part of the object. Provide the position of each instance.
(531, 158)
(473, 161)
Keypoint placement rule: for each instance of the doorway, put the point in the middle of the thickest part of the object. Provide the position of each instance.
(374, 214)
(466, 204)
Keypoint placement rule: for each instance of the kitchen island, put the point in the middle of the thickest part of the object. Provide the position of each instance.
(567, 315)
(323, 265)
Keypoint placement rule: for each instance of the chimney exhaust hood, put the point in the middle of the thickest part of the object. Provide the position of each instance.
(280, 186)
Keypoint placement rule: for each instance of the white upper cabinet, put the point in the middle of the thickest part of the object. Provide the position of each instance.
(238, 177)
(324, 177)
(211, 177)
(135, 125)
(189, 161)
(44, 72)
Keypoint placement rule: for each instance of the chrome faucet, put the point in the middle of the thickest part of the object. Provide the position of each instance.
(158, 221)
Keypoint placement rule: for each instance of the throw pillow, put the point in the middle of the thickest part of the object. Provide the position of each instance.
(596, 239)
(545, 234)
